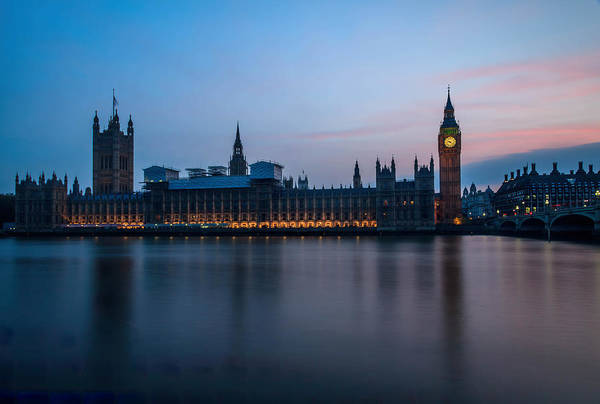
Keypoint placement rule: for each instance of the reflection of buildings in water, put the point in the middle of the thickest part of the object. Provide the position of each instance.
(255, 269)
(450, 268)
(110, 314)
(387, 274)
(357, 271)
(241, 266)
(425, 277)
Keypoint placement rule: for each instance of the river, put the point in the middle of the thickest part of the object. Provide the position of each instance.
(352, 319)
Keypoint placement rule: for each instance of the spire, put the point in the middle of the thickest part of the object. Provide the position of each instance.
(448, 102)
(237, 145)
(130, 126)
(356, 181)
(96, 125)
(449, 120)
(431, 164)
(416, 164)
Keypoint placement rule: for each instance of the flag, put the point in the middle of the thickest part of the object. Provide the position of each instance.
(115, 102)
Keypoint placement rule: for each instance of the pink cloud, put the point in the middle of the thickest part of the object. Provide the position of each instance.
(549, 73)
(362, 132)
(480, 145)
(583, 65)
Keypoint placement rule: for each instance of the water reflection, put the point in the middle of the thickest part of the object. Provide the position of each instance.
(424, 319)
(110, 314)
(450, 270)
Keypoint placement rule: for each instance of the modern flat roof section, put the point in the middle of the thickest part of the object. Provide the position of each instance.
(224, 181)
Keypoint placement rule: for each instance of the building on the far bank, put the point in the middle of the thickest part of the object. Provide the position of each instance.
(528, 192)
(449, 149)
(477, 204)
(229, 196)
(160, 174)
(112, 156)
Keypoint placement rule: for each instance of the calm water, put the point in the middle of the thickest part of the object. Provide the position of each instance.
(480, 319)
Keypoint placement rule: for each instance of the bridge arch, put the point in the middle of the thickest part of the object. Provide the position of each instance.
(508, 226)
(577, 225)
(533, 225)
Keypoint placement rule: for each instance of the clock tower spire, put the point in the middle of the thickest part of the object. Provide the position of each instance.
(449, 147)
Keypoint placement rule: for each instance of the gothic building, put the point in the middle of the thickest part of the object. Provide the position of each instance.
(477, 204)
(529, 192)
(112, 157)
(40, 205)
(449, 146)
(237, 163)
(242, 199)
(405, 204)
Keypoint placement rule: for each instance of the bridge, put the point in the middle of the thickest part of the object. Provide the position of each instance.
(582, 222)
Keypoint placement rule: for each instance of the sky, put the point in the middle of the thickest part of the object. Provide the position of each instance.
(315, 85)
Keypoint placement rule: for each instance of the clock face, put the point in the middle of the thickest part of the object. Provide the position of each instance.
(450, 141)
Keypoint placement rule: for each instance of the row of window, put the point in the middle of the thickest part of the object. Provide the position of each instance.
(106, 162)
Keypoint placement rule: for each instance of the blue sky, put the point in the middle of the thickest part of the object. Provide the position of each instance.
(315, 85)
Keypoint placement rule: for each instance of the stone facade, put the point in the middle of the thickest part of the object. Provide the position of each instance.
(528, 192)
(40, 205)
(477, 204)
(112, 157)
(263, 198)
(449, 148)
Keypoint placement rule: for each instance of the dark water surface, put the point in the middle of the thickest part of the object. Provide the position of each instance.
(421, 319)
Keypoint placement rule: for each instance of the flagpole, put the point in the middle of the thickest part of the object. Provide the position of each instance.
(113, 114)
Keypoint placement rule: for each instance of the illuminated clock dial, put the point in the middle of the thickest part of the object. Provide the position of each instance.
(450, 141)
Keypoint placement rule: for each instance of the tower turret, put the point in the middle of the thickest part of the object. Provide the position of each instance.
(356, 182)
(112, 161)
(449, 149)
(238, 164)
(75, 187)
(96, 125)
(130, 126)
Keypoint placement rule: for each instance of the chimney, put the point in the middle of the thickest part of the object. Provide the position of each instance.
(505, 177)
(532, 167)
(581, 165)
(591, 170)
(554, 165)
(524, 170)
(512, 175)
(518, 172)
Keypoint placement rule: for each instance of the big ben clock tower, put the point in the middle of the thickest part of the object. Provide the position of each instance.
(449, 150)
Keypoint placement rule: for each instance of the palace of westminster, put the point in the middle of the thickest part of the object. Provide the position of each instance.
(241, 195)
